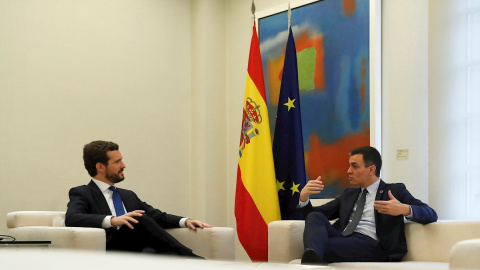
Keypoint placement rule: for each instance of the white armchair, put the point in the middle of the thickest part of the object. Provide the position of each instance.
(436, 243)
(216, 243)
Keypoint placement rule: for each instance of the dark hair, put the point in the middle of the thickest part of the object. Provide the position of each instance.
(95, 152)
(371, 156)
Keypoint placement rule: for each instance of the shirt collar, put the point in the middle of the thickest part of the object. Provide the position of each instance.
(372, 189)
(101, 185)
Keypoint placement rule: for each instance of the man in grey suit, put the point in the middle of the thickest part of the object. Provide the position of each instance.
(373, 233)
(130, 224)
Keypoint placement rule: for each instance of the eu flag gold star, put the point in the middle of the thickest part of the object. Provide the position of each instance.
(290, 104)
(295, 188)
(280, 186)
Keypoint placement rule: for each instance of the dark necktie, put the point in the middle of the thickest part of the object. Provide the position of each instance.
(357, 215)
(117, 202)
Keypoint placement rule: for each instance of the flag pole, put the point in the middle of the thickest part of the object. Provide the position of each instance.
(253, 12)
(289, 16)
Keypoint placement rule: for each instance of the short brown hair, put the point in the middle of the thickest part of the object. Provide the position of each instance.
(95, 152)
(371, 156)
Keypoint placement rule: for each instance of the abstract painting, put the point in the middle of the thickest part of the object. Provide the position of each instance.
(332, 39)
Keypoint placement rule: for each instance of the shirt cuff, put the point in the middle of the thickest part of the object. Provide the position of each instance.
(107, 222)
(303, 204)
(181, 223)
(411, 213)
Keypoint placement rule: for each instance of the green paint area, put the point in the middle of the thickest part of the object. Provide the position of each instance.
(306, 68)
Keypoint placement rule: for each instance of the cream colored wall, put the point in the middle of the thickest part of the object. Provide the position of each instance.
(208, 118)
(76, 71)
(405, 93)
(448, 57)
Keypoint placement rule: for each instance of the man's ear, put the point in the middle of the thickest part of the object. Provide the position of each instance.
(372, 169)
(100, 167)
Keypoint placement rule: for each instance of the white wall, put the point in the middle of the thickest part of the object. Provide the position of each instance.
(76, 71)
(208, 106)
(405, 93)
(448, 108)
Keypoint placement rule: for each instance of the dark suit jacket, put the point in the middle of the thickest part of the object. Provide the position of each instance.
(390, 229)
(88, 208)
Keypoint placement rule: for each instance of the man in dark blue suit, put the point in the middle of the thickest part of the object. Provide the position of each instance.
(375, 232)
(130, 224)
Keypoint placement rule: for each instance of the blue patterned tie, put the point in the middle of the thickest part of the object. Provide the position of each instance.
(117, 202)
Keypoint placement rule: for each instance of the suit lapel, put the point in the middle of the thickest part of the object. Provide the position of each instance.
(99, 199)
(381, 192)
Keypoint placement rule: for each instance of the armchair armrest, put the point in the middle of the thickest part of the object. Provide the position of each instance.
(285, 240)
(35, 218)
(217, 243)
(464, 255)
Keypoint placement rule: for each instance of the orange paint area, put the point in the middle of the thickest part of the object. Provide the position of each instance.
(349, 7)
(331, 160)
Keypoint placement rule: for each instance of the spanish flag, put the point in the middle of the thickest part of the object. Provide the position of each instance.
(256, 199)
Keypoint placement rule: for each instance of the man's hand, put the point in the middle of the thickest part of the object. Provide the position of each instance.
(392, 207)
(192, 224)
(312, 187)
(127, 219)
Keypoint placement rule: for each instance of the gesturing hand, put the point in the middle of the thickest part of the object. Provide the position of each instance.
(127, 219)
(192, 224)
(312, 187)
(392, 207)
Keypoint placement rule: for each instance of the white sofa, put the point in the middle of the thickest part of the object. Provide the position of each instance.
(216, 243)
(438, 245)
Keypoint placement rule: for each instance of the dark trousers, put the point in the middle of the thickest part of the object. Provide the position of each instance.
(146, 233)
(331, 246)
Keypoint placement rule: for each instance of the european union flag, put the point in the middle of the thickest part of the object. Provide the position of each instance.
(288, 141)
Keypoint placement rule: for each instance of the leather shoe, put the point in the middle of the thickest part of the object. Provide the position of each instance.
(310, 257)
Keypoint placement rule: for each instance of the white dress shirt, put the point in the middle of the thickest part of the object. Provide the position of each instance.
(366, 225)
(107, 221)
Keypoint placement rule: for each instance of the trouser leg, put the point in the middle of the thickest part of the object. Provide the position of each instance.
(160, 240)
(354, 248)
(147, 233)
(317, 232)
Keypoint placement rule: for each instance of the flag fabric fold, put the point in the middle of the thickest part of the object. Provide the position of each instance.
(288, 141)
(256, 199)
